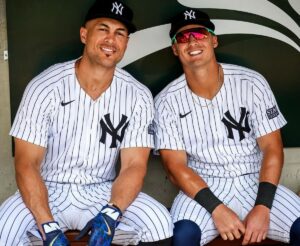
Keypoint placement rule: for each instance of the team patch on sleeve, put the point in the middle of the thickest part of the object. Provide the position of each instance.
(151, 129)
(272, 112)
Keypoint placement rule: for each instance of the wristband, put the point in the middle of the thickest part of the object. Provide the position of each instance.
(115, 206)
(113, 211)
(50, 227)
(265, 194)
(207, 199)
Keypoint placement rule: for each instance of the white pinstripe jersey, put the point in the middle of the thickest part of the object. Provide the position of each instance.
(218, 135)
(83, 136)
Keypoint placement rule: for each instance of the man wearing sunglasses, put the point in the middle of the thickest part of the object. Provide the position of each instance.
(218, 132)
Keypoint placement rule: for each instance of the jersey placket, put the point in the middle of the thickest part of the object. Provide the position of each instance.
(91, 130)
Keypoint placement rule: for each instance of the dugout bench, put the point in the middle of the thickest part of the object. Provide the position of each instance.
(216, 242)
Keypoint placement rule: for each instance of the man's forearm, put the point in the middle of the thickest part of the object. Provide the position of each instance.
(34, 194)
(127, 186)
(273, 156)
(272, 163)
(271, 168)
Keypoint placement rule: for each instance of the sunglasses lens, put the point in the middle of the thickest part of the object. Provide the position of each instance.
(182, 37)
(197, 33)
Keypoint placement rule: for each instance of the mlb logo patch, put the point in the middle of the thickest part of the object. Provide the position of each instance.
(272, 112)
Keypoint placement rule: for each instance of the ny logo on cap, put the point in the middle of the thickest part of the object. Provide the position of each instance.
(118, 8)
(189, 14)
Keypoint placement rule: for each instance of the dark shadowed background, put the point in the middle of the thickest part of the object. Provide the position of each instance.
(43, 32)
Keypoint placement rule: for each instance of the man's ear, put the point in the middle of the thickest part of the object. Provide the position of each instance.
(174, 48)
(83, 34)
(215, 41)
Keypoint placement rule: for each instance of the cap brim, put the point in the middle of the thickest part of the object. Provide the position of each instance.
(178, 25)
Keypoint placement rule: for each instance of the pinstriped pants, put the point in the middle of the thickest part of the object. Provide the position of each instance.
(73, 206)
(239, 194)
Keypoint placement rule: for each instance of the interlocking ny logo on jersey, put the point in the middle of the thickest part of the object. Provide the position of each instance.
(189, 15)
(107, 127)
(118, 8)
(231, 124)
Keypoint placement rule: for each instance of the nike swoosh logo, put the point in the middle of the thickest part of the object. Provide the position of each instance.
(53, 241)
(66, 103)
(184, 115)
(108, 232)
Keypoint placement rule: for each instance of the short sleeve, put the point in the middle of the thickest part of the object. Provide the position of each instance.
(32, 120)
(139, 132)
(167, 134)
(267, 116)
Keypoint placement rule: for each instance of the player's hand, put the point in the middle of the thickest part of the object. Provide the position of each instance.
(227, 223)
(102, 226)
(257, 225)
(53, 235)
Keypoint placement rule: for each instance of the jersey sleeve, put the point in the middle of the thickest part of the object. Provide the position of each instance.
(267, 116)
(32, 120)
(167, 134)
(139, 132)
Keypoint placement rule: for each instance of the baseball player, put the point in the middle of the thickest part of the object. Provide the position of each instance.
(74, 120)
(218, 132)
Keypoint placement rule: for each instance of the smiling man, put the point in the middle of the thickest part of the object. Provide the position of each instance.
(74, 120)
(218, 132)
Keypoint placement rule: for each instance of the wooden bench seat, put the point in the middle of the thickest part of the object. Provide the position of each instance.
(216, 242)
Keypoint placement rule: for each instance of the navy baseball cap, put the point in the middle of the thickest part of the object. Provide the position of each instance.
(190, 16)
(112, 9)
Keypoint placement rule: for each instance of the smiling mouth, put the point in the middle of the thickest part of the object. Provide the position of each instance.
(108, 51)
(195, 52)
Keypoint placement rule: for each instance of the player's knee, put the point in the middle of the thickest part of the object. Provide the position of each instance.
(186, 232)
(157, 224)
(162, 222)
(165, 226)
(6, 231)
(295, 233)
